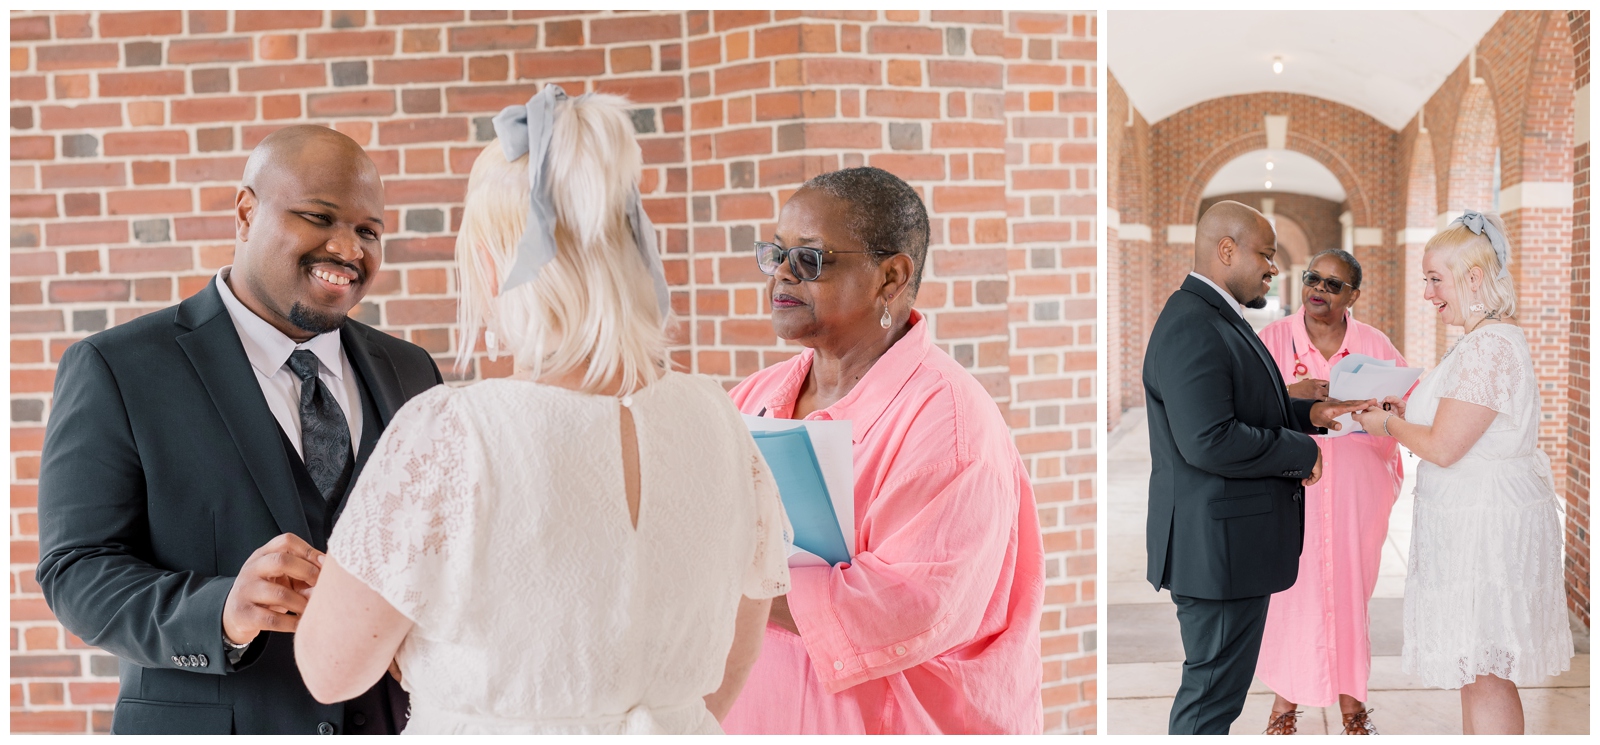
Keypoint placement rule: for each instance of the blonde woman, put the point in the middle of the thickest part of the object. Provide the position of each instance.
(1485, 610)
(589, 546)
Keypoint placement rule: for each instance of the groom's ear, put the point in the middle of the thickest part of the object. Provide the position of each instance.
(1227, 250)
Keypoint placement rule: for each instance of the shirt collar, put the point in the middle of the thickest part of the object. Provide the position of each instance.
(871, 397)
(1302, 338)
(267, 347)
(1224, 293)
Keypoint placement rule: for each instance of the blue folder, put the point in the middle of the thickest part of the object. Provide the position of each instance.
(804, 492)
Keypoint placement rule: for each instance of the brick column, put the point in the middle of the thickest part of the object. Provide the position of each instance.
(1580, 375)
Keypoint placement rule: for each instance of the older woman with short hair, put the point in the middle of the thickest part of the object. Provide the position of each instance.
(933, 626)
(1315, 650)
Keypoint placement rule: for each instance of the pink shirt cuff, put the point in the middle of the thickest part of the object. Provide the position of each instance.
(837, 662)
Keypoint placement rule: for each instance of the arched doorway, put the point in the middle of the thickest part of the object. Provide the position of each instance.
(1303, 199)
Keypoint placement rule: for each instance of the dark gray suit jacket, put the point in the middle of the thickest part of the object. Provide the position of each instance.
(1227, 454)
(162, 471)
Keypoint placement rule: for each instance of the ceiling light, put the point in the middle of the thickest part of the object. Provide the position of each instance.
(1277, 65)
(1269, 184)
(1269, 165)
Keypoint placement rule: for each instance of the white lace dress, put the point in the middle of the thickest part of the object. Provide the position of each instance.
(1484, 592)
(495, 517)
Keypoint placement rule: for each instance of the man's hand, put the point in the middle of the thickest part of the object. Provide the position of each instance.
(1316, 471)
(271, 589)
(1310, 388)
(1324, 413)
(1375, 420)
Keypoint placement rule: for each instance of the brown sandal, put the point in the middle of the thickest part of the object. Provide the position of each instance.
(1282, 723)
(1359, 724)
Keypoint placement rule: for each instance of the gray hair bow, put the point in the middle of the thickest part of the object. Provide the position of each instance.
(527, 129)
(1480, 225)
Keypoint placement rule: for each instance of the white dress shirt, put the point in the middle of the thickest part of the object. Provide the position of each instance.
(1237, 308)
(268, 350)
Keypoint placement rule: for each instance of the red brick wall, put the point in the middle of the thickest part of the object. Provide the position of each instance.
(130, 130)
(1578, 386)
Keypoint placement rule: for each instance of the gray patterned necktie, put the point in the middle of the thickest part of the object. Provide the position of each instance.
(324, 433)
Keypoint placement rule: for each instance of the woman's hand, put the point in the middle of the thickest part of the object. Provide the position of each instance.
(1395, 405)
(1373, 418)
(1316, 390)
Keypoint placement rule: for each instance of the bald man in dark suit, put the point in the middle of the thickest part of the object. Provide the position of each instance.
(1230, 456)
(197, 458)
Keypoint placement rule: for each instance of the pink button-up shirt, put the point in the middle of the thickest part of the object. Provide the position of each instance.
(1315, 645)
(933, 627)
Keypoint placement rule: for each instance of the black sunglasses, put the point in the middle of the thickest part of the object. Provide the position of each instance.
(1331, 284)
(804, 261)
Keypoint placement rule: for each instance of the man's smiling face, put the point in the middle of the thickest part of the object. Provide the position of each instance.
(310, 222)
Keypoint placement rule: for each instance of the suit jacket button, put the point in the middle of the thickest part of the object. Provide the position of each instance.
(194, 661)
(177, 661)
(324, 728)
(358, 719)
(204, 662)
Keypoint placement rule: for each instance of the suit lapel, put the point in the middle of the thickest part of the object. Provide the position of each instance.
(1266, 359)
(372, 363)
(213, 347)
(1231, 316)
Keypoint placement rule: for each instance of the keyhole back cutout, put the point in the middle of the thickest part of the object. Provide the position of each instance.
(630, 463)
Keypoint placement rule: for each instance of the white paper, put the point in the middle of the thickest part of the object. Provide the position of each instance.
(1358, 377)
(831, 439)
(799, 557)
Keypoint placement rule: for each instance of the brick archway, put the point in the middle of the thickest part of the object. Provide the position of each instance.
(1193, 145)
(1194, 186)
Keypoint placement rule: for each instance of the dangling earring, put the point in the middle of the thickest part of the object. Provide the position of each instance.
(886, 321)
(493, 343)
(1477, 305)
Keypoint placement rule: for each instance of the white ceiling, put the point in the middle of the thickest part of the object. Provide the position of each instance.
(1385, 63)
(1291, 172)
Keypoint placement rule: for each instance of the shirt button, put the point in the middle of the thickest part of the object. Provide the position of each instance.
(838, 664)
(324, 728)
(899, 649)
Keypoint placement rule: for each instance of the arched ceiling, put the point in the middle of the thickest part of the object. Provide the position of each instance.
(1292, 172)
(1385, 63)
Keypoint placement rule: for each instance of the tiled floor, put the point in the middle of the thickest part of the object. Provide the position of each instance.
(1144, 655)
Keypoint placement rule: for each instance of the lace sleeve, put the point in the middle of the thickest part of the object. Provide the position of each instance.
(768, 573)
(1489, 373)
(408, 527)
